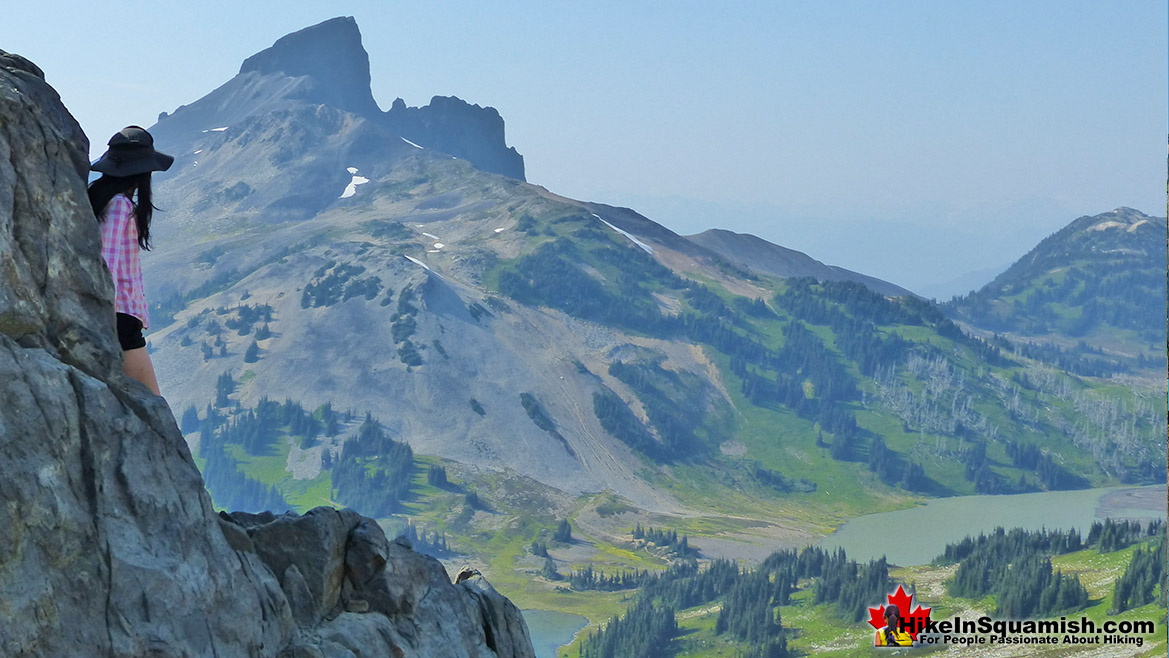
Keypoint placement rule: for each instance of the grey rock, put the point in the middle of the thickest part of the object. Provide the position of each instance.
(303, 651)
(109, 545)
(315, 543)
(504, 626)
(300, 598)
(237, 538)
(48, 298)
(367, 553)
(356, 605)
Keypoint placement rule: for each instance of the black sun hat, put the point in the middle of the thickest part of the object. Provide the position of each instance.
(132, 152)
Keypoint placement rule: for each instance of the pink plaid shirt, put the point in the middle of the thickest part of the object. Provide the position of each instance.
(119, 247)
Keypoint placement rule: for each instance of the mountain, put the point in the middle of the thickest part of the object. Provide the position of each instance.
(1092, 289)
(330, 56)
(111, 544)
(344, 317)
(325, 67)
(760, 256)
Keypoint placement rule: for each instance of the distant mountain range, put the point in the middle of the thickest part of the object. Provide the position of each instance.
(318, 251)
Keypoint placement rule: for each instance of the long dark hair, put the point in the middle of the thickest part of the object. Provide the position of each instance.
(102, 190)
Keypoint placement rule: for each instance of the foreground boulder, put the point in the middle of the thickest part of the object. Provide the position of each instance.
(109, 545)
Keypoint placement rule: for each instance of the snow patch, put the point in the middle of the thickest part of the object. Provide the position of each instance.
(439, 245)
(648, 249)
(418, 262)
(411, 143)
(500, 230)
(1103, 226)
(216, 130)
(198, 152)
(351, 188)
(352, 170)
(419, 225)
(432, 237)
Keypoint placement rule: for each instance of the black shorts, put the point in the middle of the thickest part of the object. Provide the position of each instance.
(130, 332)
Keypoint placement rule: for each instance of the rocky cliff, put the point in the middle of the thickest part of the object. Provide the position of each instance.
(452, 125)
(330, 54)
(325, 67)
(109, 545)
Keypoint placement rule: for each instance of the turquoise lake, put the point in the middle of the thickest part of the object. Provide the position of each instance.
(916, 536)
(551, 630)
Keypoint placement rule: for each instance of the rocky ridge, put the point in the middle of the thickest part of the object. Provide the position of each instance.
(109, 543)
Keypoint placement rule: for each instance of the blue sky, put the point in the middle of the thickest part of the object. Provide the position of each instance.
(914, 141)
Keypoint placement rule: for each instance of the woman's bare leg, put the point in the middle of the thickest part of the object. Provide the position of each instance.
(137, 365)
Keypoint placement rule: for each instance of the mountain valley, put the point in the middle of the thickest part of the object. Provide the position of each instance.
(375, 309)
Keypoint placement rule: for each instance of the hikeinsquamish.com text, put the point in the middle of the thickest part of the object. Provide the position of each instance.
(987, 631)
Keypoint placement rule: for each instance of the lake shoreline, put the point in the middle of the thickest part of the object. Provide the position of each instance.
(917, 535)
(1152, 498)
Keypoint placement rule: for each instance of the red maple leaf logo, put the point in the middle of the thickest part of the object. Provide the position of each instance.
(914, 621)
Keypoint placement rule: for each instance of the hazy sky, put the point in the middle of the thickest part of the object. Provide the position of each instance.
(915, 141)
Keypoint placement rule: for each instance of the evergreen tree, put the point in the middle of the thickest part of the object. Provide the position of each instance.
(224, 386)
(190, 422)
(549, 571)
(436, 477)
(1144, 579)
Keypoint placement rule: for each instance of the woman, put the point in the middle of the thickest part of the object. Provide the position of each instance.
(892, 635)
(125, 229)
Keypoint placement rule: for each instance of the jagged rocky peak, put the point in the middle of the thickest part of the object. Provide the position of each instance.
(331, 53)
(109, 544)
(452, 125)
(327, 65)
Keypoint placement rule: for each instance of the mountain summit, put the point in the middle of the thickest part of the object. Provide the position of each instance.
(313, 74)
(332, 55)
(1091, 281)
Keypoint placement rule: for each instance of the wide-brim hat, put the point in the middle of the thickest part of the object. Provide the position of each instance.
(131, 152)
